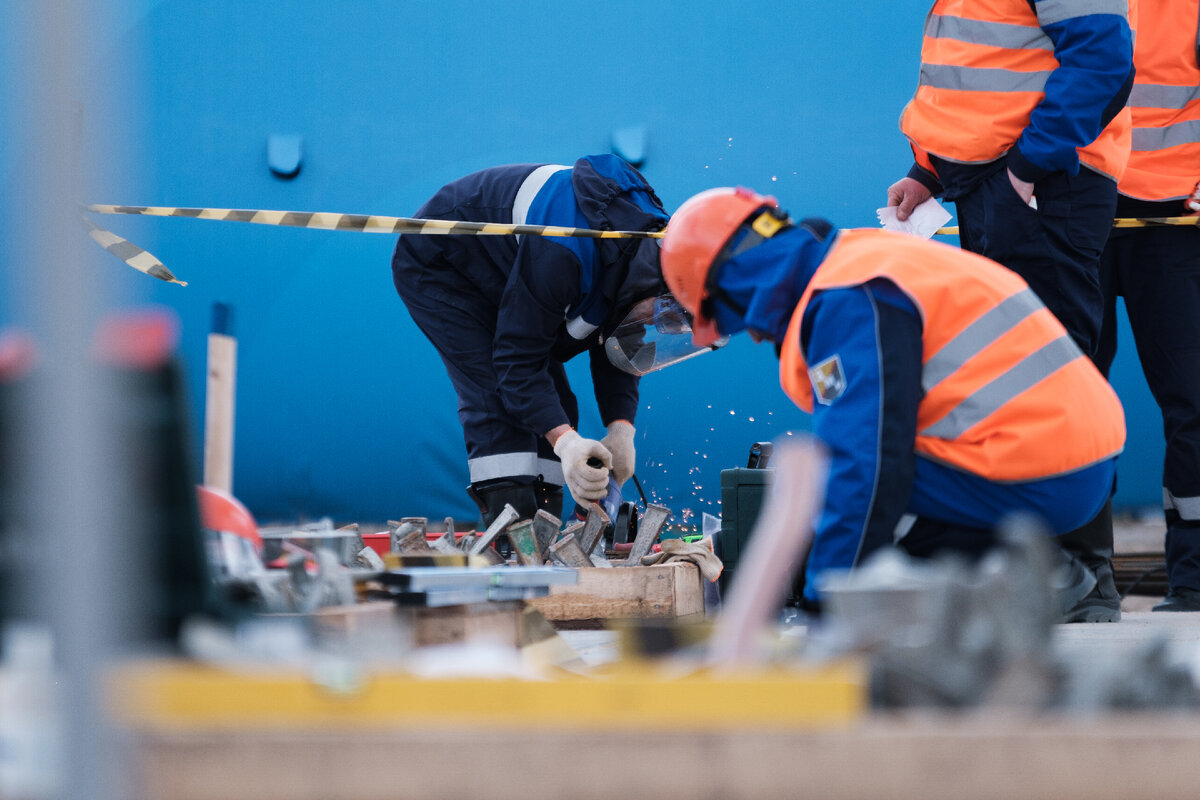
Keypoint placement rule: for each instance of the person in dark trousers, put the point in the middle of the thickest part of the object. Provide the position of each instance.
(1019, 119)
(506, 312)
(1156, 269)
(936, 379)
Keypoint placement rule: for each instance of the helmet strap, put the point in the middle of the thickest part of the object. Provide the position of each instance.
(764, 224)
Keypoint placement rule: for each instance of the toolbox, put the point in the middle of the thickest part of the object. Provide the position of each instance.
(743, 492)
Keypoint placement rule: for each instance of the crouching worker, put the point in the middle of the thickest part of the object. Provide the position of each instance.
(947, 395)
(505, 312)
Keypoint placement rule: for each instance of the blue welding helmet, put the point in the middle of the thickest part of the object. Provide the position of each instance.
(656, 333)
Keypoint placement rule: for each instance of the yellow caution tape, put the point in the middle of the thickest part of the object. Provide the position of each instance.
(136, 257)
(1192, 220)
(369, 223)
(145, 262)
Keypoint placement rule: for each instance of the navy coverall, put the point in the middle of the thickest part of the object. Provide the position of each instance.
(505, 312)
(1157, 271)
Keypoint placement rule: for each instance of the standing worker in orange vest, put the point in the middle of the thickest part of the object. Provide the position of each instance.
(942, 387)
(1019, 119)
(1157, 269)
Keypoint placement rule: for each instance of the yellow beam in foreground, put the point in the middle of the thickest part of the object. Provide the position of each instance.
(186, 696)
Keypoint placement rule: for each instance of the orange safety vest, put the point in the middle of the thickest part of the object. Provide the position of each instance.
(983, 68)
(1007, 394)
(1165, 103)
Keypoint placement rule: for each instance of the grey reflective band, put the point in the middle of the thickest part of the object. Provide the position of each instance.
(994, 34)
(1154, 95)
(1145, 139)
(551, 471)
(978, 335)
(988, 399)
(974, 79)
(509, 465)
(579, 328)
(1052, 11)
(503, 465)
(1188, 507)
(529, 188)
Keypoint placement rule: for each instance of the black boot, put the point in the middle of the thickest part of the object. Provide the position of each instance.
(1183, 564)
(1180, 598)
(1092, 544)
(492, 496)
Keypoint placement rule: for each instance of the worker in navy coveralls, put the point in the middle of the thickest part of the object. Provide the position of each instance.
(505, 313)
(1019, 117)
(1156, 269)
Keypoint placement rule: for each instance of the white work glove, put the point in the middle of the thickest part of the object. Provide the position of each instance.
(620, 443)
(586, 483)
(1193, 203)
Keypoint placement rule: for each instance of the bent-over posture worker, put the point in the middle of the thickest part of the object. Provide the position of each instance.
(505, 313)
(942, 387)
(1157, 269)
(1019, 119)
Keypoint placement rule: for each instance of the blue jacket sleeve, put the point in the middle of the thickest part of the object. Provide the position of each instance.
(1094, 48)
(868, 338)
(544, 281)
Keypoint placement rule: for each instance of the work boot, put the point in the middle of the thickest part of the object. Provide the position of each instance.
(1182, 553)
(1092, 544)
(492, 496)
(1180, 598)
(1072, 584)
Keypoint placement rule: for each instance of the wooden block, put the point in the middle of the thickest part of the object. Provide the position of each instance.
(648, 529)
(498, 621)
(662, 591)
(524, 543)
(445, 543)
(545, 529)
(566, 552)
(409, 536)
(593, 529)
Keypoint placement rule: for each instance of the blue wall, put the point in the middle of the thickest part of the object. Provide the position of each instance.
(343, 408)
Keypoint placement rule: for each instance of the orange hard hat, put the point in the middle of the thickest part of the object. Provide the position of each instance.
(696, 235)
(222, 512)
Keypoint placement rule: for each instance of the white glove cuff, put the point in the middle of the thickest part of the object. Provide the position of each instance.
(564, 441)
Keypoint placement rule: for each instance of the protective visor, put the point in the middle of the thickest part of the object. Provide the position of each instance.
(656, 333)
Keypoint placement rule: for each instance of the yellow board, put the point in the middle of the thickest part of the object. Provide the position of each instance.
(170, 695)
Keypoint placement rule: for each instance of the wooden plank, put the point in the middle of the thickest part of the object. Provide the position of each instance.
(220, 389)
(663, 591)
(924, 757)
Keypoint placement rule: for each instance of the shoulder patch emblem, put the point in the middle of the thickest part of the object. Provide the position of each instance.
(828, 380)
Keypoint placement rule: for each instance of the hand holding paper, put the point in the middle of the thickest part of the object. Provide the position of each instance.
(924, 220)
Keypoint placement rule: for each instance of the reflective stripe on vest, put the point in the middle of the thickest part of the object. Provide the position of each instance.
(1165, 104)
(966, 62)
(1007, 394)
(1020, 377)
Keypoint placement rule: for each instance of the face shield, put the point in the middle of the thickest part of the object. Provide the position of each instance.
(656, 333)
